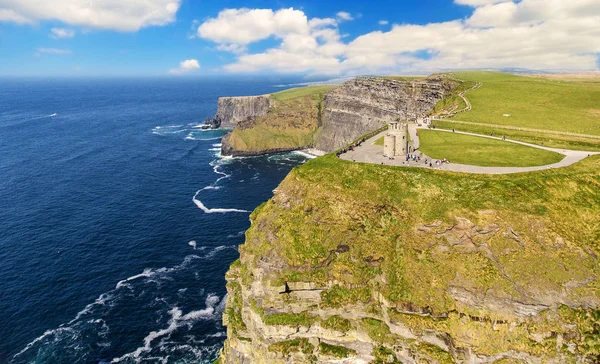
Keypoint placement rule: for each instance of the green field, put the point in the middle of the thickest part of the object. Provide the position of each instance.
(293, 93)
(380, 141)
(478, 151)
(534, 102)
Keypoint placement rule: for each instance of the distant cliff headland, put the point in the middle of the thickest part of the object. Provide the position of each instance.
(325, 117)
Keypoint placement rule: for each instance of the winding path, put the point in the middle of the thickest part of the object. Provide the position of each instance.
(371, 153)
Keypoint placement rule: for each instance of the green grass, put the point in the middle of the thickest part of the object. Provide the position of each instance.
(533, 102)
(479, 151)
(336, 351)
(377, 330)
(549, 139)
(405, 78)
(337, 323)
(293, 93)
(290, 319)
(380, 141)
(407, 225)
(291, 124)
(291, 346)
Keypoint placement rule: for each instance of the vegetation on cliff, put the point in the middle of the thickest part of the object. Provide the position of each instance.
(435, 265)
(290, 124)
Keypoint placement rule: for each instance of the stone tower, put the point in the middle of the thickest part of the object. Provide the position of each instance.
(395, 142)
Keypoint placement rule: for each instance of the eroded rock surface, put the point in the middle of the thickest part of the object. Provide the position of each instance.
(365, 104)
(232, 110)
(353, 263)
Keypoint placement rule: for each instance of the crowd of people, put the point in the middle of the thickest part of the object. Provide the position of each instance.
(413, 157)
(350, 148)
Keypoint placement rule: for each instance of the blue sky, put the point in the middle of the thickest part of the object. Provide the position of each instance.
(335, 38)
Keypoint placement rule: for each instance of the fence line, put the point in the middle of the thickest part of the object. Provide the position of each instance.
(567, 133)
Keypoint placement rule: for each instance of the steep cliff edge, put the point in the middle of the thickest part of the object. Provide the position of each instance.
(290, 124)
(368, 103)
(330, 118)
(355, 263)
(232, 110)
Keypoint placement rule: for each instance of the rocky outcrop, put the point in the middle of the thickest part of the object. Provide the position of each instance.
(368, 103)
(232, 110)
(228, 150)
(351, 263)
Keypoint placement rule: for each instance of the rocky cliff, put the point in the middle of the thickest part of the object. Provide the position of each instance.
(303, 118)
(355, 263)
(290, 124)
(232, 110)
(368, 103)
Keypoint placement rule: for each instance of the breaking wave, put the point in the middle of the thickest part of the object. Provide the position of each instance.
(212, 211)
(147, 300)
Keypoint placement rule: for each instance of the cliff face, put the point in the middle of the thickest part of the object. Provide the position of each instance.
(232, 110)
(355, 263)
(290, 124)
(368, 103)
(303, 118)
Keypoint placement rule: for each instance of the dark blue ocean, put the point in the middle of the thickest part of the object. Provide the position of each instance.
(119, 219)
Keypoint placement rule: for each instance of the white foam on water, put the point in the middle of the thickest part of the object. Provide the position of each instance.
(238, 234)
(43, 336)
(146, 273)
(215, 149)
(212, 211)
(211, 188)
(192, 243)
(219, 145)
(214, 307)
(72, 331)
(304, 154)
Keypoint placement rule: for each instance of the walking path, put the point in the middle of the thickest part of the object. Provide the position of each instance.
(371, 153)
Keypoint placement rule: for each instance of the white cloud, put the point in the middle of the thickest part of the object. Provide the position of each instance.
(55, 51)
(58, 33)
(121, 15)
(243, 26)
(344, 16)
(383, 22)
(476, 3)
(233, 48)
(186, 66)
(534, 34)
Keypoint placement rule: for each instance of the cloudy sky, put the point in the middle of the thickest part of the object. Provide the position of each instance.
(333, 38)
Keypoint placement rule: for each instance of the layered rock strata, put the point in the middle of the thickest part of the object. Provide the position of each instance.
(351, 263)
(232, 110)
(368, 103)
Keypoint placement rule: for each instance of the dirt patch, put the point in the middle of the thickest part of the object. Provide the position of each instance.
(595, 113)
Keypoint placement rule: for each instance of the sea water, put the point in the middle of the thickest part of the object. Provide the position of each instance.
(119, 218)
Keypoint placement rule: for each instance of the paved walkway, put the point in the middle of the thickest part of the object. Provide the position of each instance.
(371, 153)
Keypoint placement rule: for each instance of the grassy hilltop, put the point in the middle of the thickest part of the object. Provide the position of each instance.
(402, 254)
(551, 106)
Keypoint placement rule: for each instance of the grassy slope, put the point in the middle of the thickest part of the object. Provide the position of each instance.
(466, 149)
(291, 124)
(534, 102)
(323, 205)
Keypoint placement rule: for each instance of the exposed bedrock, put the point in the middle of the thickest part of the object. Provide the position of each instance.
(368, 103)
(232, 110)
(331, 273)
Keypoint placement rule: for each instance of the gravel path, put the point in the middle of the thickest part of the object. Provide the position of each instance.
(371, 153)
